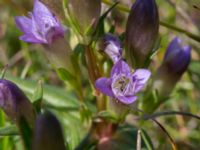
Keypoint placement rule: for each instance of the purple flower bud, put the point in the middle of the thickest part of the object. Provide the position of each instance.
(85, 13)
(141, 32)
(177, 57)
(123, 84)
(48, 133)
(112, 47)
(41, 26)
(14, 102)
(175, 63)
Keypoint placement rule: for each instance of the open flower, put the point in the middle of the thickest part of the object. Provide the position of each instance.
(41, 26)
(123, 84)
(112, 47)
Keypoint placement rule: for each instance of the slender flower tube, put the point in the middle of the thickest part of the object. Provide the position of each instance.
(14, 102)
(175, 63)
(85, 13)
(48, 133)
(42, 27)
(112, 47)
(123, 85)
(141, 32)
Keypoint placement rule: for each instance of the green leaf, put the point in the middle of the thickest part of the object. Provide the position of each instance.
(65, 75)
(26, 133)
(9, 131)
(147, 140)
(99, 32)
(37, 97)
(52, 95)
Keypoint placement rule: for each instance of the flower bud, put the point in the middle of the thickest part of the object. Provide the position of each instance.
(141, 32)
(175, 63)
(48, 133)
(14, 102)
(85, 13)
(112, 47)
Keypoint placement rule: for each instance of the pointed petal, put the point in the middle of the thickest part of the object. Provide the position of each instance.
(173, 48)
(24, 24)
(127, 99)
(43, 17)
(121, 67)
(141, 76)
(40, 8)
(104, 85)
(30, 38)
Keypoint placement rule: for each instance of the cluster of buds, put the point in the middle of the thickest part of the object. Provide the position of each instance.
(48, 132)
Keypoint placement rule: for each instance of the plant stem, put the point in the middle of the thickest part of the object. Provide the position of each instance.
(94, 74)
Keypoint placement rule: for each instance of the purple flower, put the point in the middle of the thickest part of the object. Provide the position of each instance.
(175, 63)
(41, 26)
(123, 84)
(177, 56)
(112, 47)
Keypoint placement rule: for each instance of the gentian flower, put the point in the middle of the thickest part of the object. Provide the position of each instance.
(41, 26)
(175, 63)
(177, 57)
(14, 102)
(123, 85)
(48, 133)
(141, 32)
(112, 47)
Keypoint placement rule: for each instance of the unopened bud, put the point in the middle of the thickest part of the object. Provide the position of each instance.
(48, 133)
(141, 32)
(175, 63)
(14, 102)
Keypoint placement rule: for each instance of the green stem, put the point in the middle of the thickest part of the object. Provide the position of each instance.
(94, 74)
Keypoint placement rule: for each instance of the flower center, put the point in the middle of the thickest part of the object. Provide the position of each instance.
(121, 83)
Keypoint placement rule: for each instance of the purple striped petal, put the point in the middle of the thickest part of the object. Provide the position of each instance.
(104, 85)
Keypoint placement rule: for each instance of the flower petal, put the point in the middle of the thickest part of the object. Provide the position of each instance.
(121, 67)
(141, 76)
(30, 38)
(24, 24)
(46, 22)
(43, 17)
(127, 99)
(104, 85)
(173, 48)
